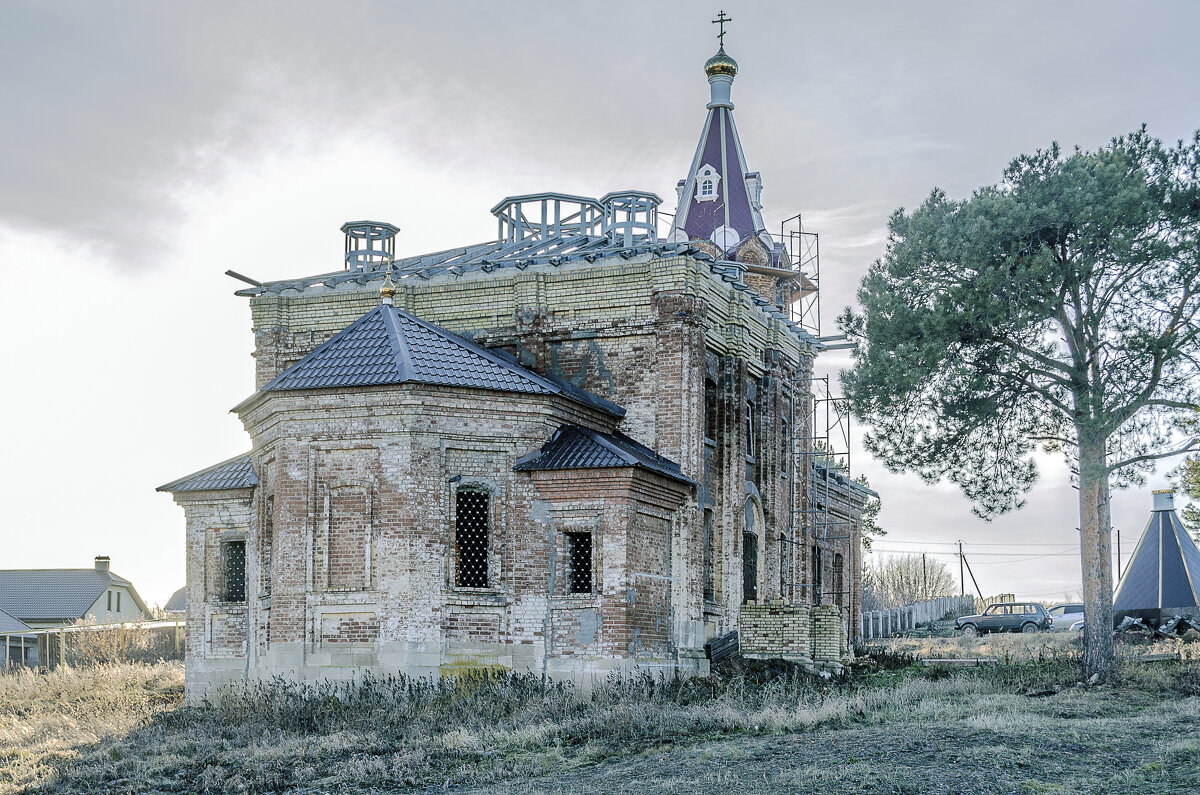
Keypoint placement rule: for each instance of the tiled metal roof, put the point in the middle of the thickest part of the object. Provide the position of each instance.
(236, 473)
(573, 447)
(11, 625)
(56, 594)
(387, 346)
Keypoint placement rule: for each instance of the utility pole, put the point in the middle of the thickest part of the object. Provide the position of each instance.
(962, 581)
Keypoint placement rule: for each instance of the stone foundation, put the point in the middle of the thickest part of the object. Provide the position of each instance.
(813, 636)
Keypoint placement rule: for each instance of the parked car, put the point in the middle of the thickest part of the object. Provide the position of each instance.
(1065, 615)
(1006, 617)
(1077, 626)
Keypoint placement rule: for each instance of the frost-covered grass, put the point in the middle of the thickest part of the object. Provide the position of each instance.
(123, 728)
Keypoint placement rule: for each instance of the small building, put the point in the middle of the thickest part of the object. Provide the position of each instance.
(51, 598)
(177, 604)
(20, 644)
(1163, 575)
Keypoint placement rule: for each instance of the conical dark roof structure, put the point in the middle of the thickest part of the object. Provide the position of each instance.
(1164, 572)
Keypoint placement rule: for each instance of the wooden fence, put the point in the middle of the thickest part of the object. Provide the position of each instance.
(133, 641)
(885, 623)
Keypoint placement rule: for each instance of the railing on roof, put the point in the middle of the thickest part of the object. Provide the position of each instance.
(546, 215)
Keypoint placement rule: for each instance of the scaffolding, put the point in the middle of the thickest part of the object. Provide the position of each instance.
(819, 447)
(804, 256)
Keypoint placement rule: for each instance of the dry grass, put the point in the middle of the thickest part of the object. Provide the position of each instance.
(48, 719)
(120, 728)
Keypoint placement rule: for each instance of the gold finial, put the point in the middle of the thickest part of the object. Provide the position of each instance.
(388, 289)
(721, 20)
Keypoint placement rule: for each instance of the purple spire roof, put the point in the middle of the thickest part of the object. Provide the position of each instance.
(715, 194)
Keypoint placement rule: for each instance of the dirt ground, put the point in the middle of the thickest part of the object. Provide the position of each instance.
(1074, 742)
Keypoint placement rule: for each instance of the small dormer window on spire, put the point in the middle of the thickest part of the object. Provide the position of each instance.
(707, 180)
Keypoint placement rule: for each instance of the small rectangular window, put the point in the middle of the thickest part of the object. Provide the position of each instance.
(579, 562)
(118, 601)
(234, 555)
(471, 539)
(109, 608)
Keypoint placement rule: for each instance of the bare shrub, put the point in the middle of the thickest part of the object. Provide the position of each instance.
(91, 644)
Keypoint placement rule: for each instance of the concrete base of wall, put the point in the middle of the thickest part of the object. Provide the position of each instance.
(204, 677)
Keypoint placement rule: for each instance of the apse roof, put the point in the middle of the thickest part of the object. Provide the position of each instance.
(1164, 571)
(387, 346)
(236, 473)
(574, 447)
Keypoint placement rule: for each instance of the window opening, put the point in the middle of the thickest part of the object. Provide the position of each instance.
(706, 188)
(109, 608)
(710, 569)
(579, 562)
(710, 409)
(118, 601)
(816, 569)
(839, 579)
(471, 539)
(235, 570)
(751, 422)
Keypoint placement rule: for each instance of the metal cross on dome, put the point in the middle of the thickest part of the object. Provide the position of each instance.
(721, 20)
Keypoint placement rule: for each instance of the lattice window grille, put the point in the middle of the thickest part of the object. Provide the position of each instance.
(471, 539)
(579, 562)
(234, 554)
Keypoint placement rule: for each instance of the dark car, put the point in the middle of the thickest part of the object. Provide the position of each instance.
(1006, 617)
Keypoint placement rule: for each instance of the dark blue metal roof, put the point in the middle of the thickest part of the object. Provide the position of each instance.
(573, 447)
(1164, 571)
(236, 473)
(387, 346)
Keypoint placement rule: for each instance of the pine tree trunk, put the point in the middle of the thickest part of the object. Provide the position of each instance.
(1095, 530)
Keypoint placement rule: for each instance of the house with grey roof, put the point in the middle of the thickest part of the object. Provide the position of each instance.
(47, 598)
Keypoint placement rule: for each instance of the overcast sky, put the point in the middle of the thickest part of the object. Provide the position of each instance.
(146, 147)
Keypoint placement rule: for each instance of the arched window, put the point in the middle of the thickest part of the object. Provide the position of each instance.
(750, 553)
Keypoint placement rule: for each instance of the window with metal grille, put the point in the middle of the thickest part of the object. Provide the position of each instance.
(471, 539)
(234, 555)
(579, 562)
(710, 569)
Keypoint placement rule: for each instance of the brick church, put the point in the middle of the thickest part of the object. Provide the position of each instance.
(584, 447)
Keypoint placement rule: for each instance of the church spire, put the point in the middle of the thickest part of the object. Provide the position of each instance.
(719, 199)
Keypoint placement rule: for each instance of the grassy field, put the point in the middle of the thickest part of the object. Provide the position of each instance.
(1023, 725)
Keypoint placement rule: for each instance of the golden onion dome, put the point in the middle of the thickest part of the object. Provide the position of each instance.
(720, 64)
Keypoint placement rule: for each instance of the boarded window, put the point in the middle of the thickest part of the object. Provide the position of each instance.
(233, 556)
(349, 529)
(710, 569)
(471, 539)
(579, 562)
